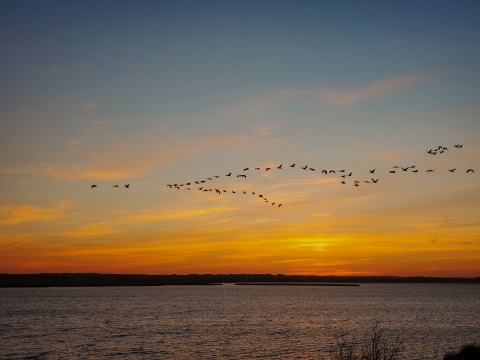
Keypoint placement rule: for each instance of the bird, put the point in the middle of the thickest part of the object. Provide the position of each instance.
(372, 171)
(430, 170)
(246, 169)
(305, 168)
(188, 183)
(257, 168)
(266, 169)
(343, 176)
(366, 181)
(93, 186)
(341, 171)
(374, 181)
(244, 192)
(324, 172)
(470, 170)
(188, 189)
(452, 170)
(253, 193)
(209, 178)
(228, 174)
(280, 166)
(356, 184)
(170, 185)
(203, 181)
(117, 185)
(331, 171)
(312, 169)
(273, 204)
(279, 205)
(217, 191)
(244, 176)
(343, 182)
(233, 192)
(216, 176)
(392, 171)
(414, 171)
(293, 165)
(260, 195)
(126, 186)
(396, 167)
(349, 174)
(404, 169)
(224, 190)
(200, 188)
(458, 146)
(197, 182)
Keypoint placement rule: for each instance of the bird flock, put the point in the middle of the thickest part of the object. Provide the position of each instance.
(345, 177)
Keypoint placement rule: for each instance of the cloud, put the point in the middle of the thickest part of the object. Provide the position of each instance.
(88, 105)
(346, 97)
(10, 215)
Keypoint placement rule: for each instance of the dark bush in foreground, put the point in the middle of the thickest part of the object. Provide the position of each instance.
(375, 345)
(468, 352)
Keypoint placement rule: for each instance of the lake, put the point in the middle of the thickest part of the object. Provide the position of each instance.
(231, 322)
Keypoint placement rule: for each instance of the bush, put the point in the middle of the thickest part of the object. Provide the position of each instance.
(467, 352)
(374, 345)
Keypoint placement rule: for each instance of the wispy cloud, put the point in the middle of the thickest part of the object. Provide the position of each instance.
(10, 215)
(380, 88)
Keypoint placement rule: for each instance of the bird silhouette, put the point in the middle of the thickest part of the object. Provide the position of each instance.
(356, 184)
(293, 165)
(117, 186)
(372, 171)
(228, 174)
(244, 176)
(430, 170)
(266, 169)
(280, 166)
(414, 171)
(458, 146)
(341, 171)
(392, 171)
(93, 186)
(404, 169)
(374, 181)
(246, 169)
(343, 182)
(331, 171)
(324, 172)
(257, 168)
(470, 170)
(279, 205)
(126, 186)
(305, 168)
(452, 170)
(273, 204)
(312, 169)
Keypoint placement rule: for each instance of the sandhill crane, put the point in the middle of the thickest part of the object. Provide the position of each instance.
(279, 166)
(452, 170)
(293, 165)
(246, 169)
(374, 181)
(93, 186)
(470, 170)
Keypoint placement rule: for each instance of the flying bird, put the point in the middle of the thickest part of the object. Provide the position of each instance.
(305, 168)
(470, 170)
(293, 165)
(246, 169)
(452, 170)
(228, 174)
(374, 181)
(266, 169)
(279, 205)
(126, 186)
(280, 166)
(93, 186)
(430, 170)
(244, 176)
(392, 171)
(372, 171)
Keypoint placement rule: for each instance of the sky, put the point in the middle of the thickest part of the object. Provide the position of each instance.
(152, 93)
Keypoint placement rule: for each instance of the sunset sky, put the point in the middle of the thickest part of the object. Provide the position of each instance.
(150, 93)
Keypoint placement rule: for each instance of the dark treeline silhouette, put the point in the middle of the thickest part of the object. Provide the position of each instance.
(96, 279)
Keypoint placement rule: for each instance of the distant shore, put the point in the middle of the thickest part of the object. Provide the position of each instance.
(96, 279)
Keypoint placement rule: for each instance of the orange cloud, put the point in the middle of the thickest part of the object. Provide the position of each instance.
(11, 215)
(376, 89)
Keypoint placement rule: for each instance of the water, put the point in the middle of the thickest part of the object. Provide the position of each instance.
(231, 322)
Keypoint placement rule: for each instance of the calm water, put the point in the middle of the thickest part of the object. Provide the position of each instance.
(230, 322)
